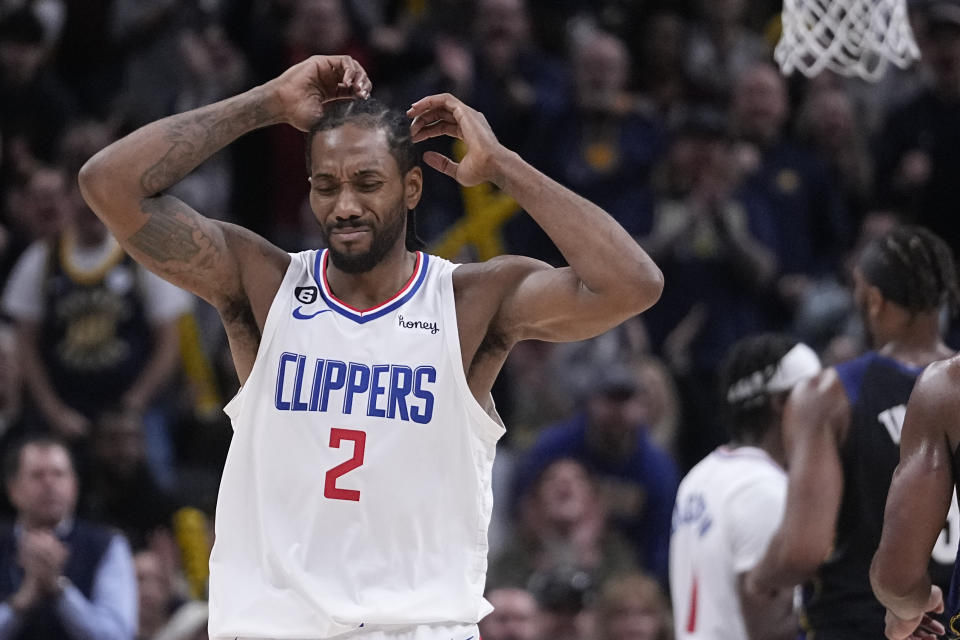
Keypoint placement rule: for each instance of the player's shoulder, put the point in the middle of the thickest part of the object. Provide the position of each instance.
(941, 380)
(731, 466)
(945, 371)
(739, 486)
(502, 267)
(934, 404)
(702, 474)
(496, 274)
(750, 477)
(758, 477)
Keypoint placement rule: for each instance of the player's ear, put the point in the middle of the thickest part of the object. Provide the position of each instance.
(412, 187)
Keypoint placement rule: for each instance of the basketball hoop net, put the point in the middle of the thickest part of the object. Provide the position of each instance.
(849, 37)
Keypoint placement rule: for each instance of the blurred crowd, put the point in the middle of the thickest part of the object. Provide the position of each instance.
(753, 192)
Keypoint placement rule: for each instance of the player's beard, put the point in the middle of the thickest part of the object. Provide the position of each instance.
(384, 238)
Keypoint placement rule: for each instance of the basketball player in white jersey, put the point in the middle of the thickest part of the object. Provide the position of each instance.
(730, 504)
(356, 494)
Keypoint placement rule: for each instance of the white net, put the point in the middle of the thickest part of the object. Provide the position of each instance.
(850, 37)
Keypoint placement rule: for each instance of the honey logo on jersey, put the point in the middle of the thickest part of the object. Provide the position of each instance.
(432, 327)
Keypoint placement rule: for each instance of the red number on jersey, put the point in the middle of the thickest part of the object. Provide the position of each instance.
(330, 488)
(692, 618)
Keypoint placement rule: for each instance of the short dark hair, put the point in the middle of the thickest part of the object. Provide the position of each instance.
(748, 417)
(373, 114)
(13, 456)
(912, 267)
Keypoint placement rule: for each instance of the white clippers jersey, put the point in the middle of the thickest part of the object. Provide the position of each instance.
(728, 507)
(357, 487)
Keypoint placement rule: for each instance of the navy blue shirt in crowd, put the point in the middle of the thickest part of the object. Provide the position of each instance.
(640, 489)
(931, 125)
(99, 601)
(793, 189)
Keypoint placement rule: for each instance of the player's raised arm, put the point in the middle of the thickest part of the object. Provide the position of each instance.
(814, 418)
(918, 501)
(124, 183)
(610, 278)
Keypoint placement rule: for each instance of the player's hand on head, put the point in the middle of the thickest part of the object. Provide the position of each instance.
(303, 89)
(445, 115)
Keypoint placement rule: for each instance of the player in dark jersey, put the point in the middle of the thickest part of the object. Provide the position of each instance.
(842, 433)
(920, 497)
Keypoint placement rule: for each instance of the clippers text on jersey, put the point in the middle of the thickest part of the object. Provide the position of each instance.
(392, 391)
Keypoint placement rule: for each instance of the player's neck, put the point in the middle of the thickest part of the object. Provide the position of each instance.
(917, 342)
(771, 443)
(376, 286)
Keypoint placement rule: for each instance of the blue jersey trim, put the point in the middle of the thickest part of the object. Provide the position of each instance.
(851, 372)
(363, 318)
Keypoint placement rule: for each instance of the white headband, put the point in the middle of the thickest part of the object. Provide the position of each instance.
(798, 364)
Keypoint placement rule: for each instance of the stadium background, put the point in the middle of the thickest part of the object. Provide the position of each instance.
(752, 192)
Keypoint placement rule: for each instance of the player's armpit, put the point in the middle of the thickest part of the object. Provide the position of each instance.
(218, 261)
(541, 302)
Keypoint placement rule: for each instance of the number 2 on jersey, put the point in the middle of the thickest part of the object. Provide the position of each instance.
(330, 488)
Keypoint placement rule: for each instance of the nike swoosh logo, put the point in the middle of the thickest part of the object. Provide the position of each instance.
(302, 316)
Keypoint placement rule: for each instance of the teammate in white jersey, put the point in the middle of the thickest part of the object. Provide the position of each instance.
(356, 494)
(731, 502)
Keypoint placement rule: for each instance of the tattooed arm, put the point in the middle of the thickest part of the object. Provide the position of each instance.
(219, 262)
